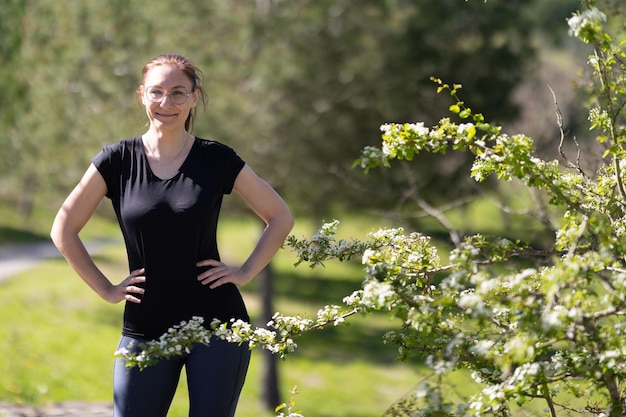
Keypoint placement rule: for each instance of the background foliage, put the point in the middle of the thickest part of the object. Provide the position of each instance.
(298, 87)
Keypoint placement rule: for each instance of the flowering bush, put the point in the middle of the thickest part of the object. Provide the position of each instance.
(550, 329)
(276, 338)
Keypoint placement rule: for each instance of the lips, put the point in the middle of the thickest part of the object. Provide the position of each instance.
(166, 115)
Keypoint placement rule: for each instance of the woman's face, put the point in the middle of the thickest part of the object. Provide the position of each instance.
(168, 97)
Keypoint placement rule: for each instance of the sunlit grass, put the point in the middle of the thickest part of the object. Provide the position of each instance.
(56, 333)
(59, 338)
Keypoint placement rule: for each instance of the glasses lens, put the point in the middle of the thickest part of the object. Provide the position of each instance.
(156, 95)
(178, 96)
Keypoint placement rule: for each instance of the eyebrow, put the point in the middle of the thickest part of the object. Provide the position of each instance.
(173, 88)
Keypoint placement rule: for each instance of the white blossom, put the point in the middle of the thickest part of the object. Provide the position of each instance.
(590, 17)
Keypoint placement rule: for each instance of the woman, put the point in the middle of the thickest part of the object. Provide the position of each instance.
(166, 187)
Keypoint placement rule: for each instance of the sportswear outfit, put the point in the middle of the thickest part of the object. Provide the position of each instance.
(168, 226)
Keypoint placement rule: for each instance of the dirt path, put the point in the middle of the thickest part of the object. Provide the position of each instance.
(22, 257)
(19, 258)
(66, 409)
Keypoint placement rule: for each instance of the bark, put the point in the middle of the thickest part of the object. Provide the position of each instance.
(269, 373)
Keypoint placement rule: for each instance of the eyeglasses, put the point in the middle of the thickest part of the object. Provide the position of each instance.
(157, 94)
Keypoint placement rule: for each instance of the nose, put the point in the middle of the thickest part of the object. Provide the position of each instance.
(165, 99)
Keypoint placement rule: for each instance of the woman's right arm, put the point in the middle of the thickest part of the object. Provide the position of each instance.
(69, 221)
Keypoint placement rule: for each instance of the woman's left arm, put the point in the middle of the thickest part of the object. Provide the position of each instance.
(273, 210)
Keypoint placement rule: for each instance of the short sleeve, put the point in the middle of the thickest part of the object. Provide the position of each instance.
(234, 165)
(108, 163)
(221, 163)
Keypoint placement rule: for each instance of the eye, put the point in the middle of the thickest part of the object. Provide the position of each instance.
(155, 93)
(178, 94)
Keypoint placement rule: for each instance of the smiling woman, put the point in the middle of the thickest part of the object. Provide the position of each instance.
(166, 187)
(182, 71)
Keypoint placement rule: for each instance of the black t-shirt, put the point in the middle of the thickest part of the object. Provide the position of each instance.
(169, 225)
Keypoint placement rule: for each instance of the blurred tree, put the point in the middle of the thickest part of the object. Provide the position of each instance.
(70, 70)
(527, 325)
(330, 71)
(298, 88)
(11, 84)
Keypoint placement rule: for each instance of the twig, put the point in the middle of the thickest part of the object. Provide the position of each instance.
(559, 120)
(432, 211)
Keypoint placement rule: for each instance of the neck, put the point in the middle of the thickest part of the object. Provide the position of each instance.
(164, 148)
(159, 139)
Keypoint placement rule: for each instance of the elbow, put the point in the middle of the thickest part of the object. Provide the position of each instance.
(56, 234)
(55, 230)
(291, 221)
(283, 221)
(59, 233)
(288, 220)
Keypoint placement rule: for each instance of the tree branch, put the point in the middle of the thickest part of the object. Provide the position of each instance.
(559, 119)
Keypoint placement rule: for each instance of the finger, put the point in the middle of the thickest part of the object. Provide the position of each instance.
(132, 299)
(211, 279)
(215, 276)
(214, 273)
(218, 283)
(133, 289)
(208, 262)
(137, 272)
(136, 280)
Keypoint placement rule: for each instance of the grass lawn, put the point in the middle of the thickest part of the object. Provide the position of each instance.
(58, 339)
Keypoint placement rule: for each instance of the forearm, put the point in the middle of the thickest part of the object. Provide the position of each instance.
(269, 243)
(74, 251)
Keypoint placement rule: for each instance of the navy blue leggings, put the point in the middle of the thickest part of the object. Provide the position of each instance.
(215, 377)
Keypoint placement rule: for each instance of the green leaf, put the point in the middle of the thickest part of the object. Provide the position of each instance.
(454, 109)
(465, 114)
(471, 133)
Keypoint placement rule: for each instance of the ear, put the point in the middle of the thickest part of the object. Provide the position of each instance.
(195, 97)
(142, 94)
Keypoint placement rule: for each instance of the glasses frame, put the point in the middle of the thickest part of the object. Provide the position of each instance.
(168, 95)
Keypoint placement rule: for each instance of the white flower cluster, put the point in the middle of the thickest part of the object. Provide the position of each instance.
(465, 128)
(464, 253)
(394, 137)
(371, 155)
(328, 229)
(415, 137)
(277, 341)
(277, 337)
(386, 235)
(177, 340)
(324, 246)
(330, 314)
(440, 366)
(473, 303)
(375, 295)
(553, 318)
(493, 397)
(614, 359)
(281, 414)
(589, 18)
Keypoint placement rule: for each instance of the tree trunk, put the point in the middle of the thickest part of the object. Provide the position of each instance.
(269, 372)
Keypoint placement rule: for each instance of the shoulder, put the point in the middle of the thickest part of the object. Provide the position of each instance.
(122, 146)
(217, 151)
(113, 153)
(210, 145)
